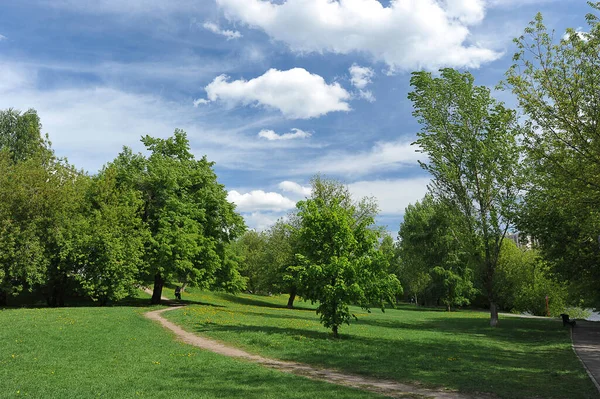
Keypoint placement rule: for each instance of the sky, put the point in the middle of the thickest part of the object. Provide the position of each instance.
(272, 91)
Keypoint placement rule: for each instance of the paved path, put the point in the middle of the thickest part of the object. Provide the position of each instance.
(586, 342)
(388, 388)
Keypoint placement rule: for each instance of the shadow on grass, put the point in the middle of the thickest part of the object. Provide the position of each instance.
(530, 367)
(257, 302)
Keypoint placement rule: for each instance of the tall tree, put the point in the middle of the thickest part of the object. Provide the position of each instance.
(434, 262)
(557, 83)
(108, 249)
(187, 212)
(473, 156)
(339, 252)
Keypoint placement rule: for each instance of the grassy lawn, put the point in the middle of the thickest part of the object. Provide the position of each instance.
(522, 358)
(114, 352)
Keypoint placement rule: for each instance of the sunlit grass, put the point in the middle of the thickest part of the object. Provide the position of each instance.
(92, 352)
(522, 358)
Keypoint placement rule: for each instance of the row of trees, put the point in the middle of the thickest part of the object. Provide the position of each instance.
(141, 220)
(164, 218)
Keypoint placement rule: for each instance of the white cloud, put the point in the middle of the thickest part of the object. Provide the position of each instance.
(259, 200)
(294, 134)
(383, 156)
(261, 221)
(297, 93)
(214, 28)
(2, 37)
(393, 196)
(360, 78)
(407, 34)
(295, 188)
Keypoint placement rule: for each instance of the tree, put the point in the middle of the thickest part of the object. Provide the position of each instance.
(434, 263)
(251, 247)
(108, 248)
(338, 250)
(191, 223)
(524, 280)
(40, 196)
(473, 156)
(557, 85)
(20, 134)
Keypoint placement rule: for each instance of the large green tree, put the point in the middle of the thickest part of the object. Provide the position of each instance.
(470, 140)
(338, 249)
(556, 79)
(187, 213)
(433, 260)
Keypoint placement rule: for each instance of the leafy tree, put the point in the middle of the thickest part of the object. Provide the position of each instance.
(524, 280)
(108, 248)
(20, 134)
(251, 247)
(338, 251)
(556, 82)
(473, 156)
(186, 210)
(434, 262)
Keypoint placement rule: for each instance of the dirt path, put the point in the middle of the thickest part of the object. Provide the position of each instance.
(586, 343)
(389, 388)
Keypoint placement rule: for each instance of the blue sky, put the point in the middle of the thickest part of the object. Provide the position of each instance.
(273, 91)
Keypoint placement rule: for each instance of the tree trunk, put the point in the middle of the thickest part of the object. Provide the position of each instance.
(493, 314)
(183, 286)
(3, 298)
(157, 291)
(448, 308)
(335, 332)
(290, 304)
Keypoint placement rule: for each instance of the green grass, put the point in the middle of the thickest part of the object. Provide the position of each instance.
(522, 358)
(114, 352)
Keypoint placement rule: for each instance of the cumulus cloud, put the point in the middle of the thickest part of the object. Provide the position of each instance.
(360, 77)
(407, 34)
(383, 156)
(297, 93)
(214, 28)
(257, 200)
(295, 188)
(294, 134)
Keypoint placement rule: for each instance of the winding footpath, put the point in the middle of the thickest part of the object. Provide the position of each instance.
(388, 388)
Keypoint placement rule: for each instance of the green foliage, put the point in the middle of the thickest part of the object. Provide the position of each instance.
(109, 244)
(524, 280)
(187, 213)
(433, 263)
(20, 134)
(556, 84)
(474, 158)
(339, 254)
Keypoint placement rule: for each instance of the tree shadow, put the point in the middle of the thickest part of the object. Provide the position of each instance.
(257, 302)
(466, 365)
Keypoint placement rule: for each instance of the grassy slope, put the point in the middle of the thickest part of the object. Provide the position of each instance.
(522, 358)
(90, 352)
